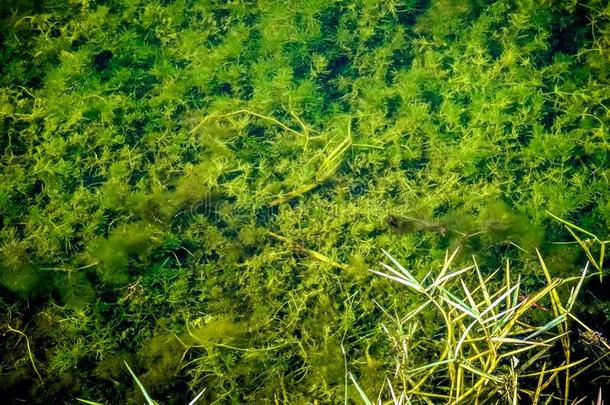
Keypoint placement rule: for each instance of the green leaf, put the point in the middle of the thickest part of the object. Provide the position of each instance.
(149, 400)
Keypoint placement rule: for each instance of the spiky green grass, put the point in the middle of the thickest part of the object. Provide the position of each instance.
(493, 348)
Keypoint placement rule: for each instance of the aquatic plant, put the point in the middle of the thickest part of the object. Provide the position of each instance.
(147, 397)
(490, 350)
(168, 164)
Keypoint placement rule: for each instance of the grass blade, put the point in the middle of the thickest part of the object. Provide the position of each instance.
(149, 400)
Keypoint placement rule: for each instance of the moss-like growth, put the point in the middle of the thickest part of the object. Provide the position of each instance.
(25, 280)
(160, 358)
(76, 290)
(246, 164)
(17, 271)
(217, 330)
(499, 223)
(113, 254)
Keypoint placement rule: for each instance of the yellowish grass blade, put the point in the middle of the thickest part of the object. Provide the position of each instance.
(362, 394)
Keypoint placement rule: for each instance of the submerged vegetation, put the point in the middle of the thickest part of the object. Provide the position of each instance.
(198, 189)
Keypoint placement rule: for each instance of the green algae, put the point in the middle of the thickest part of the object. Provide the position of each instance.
(198, 188)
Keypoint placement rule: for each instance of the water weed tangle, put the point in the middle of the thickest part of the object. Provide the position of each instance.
(304, 202)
